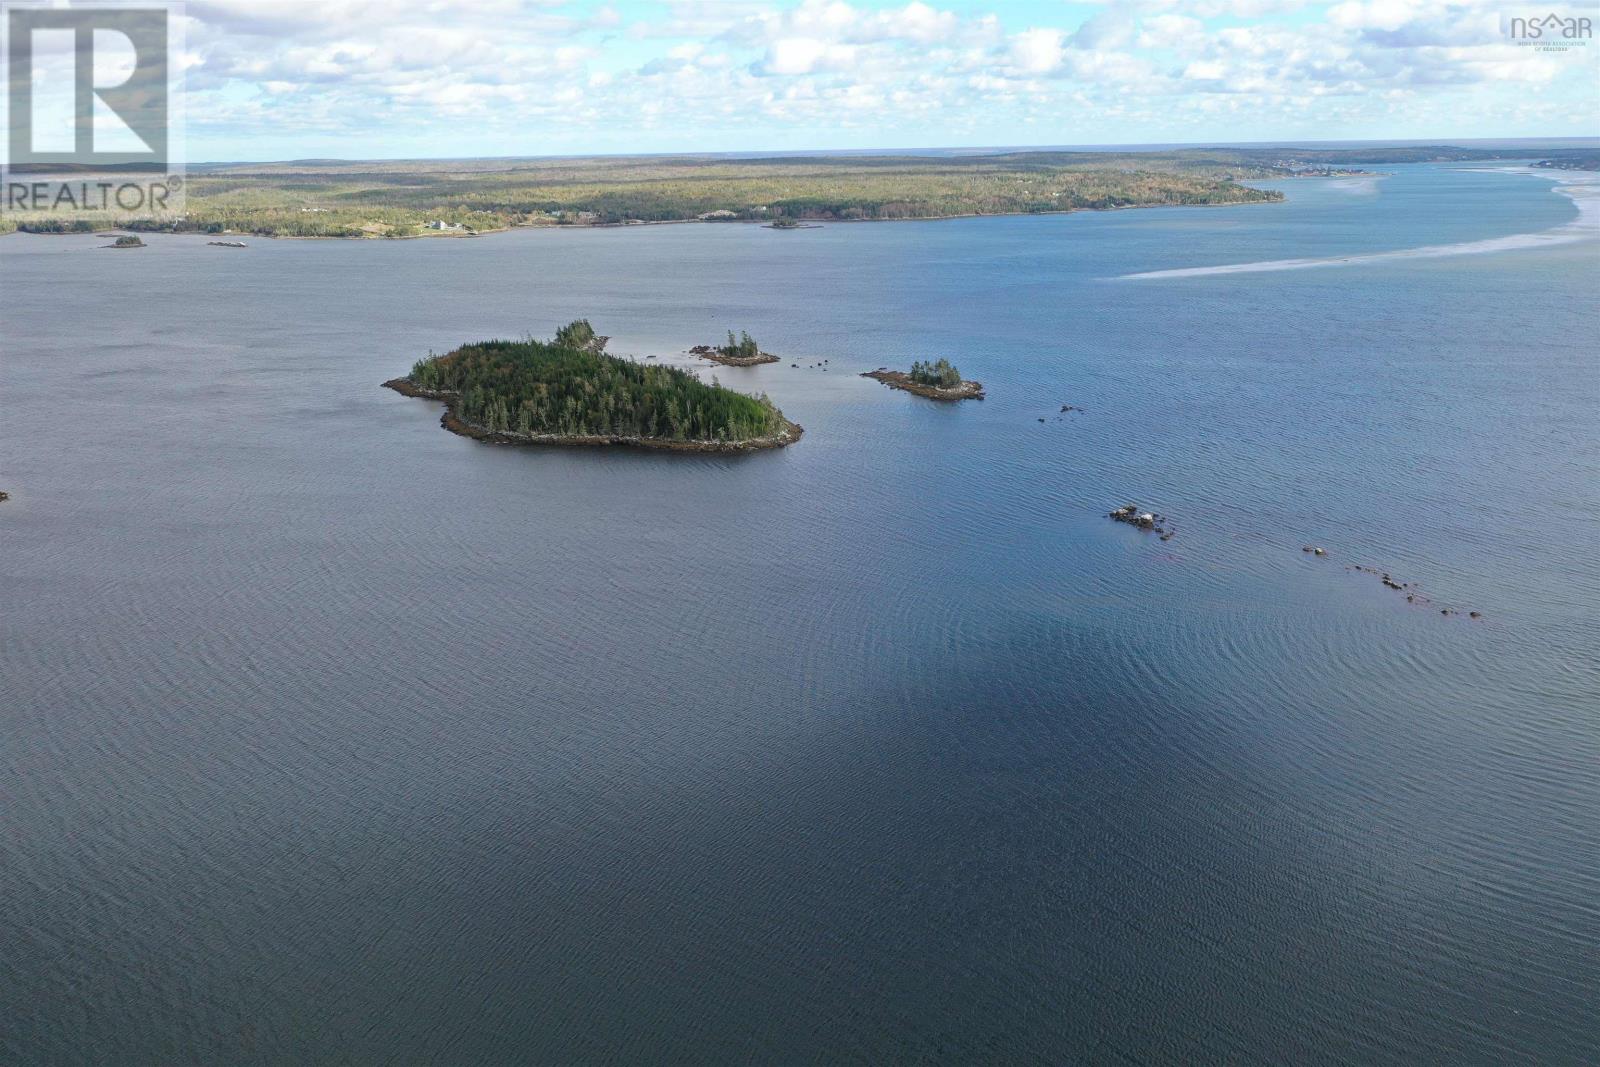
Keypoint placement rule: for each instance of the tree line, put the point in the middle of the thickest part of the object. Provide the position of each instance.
(940, 374)
(743, 347)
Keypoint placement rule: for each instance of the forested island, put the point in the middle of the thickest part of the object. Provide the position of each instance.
(937, 380)
(569, 391)
(741, 351)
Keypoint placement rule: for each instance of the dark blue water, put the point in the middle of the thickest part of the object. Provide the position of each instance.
(329, 736)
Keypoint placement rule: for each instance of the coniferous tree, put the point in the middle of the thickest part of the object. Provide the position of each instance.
(570, 387)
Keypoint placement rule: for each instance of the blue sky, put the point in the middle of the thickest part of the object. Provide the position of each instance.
(277, 79)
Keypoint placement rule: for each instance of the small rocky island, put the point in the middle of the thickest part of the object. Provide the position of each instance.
(741, 351)
(568, 391)
(1144, 520)
(126, 241)
(936, 381)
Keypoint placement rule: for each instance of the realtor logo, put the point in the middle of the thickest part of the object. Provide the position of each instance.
(89, 90)
(1551, 32)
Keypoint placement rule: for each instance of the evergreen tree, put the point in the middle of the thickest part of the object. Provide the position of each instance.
(568, 386)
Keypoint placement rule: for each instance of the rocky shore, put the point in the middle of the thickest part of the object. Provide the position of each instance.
(449, 420)
(717, 356)
(896, 379)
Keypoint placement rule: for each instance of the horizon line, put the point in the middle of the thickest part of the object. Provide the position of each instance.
(1570, 140)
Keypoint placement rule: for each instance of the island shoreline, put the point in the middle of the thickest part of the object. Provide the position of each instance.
(791, 432)
(711, 353)
(894, 379)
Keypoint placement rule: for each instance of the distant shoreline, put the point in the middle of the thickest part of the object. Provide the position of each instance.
(757, 223)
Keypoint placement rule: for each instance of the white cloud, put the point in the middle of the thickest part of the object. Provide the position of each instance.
(803, 55)
(1037, 51)
(915, 22)
(1372, 14)
(914, 72)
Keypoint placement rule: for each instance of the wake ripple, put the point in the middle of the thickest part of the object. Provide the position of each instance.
(1583, 192)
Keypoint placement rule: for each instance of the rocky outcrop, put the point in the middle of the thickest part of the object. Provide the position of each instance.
(716, 355)
(896, 379)
(1143, 520)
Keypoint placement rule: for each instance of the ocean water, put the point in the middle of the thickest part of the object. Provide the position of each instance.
(329, 736)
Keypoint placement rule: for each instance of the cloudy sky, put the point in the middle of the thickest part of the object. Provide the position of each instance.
(278, 79)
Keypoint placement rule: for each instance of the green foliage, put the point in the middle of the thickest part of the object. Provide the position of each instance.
(400, 198)
(941, 374)
(569, 387)
(580, 335)
(743, 347)
(47, 224)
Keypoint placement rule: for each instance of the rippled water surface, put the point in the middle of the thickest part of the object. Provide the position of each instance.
(329, 736)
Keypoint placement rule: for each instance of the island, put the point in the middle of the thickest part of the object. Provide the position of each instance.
(569, 391)
(741, 351)
(125, 241)
(936, 381)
